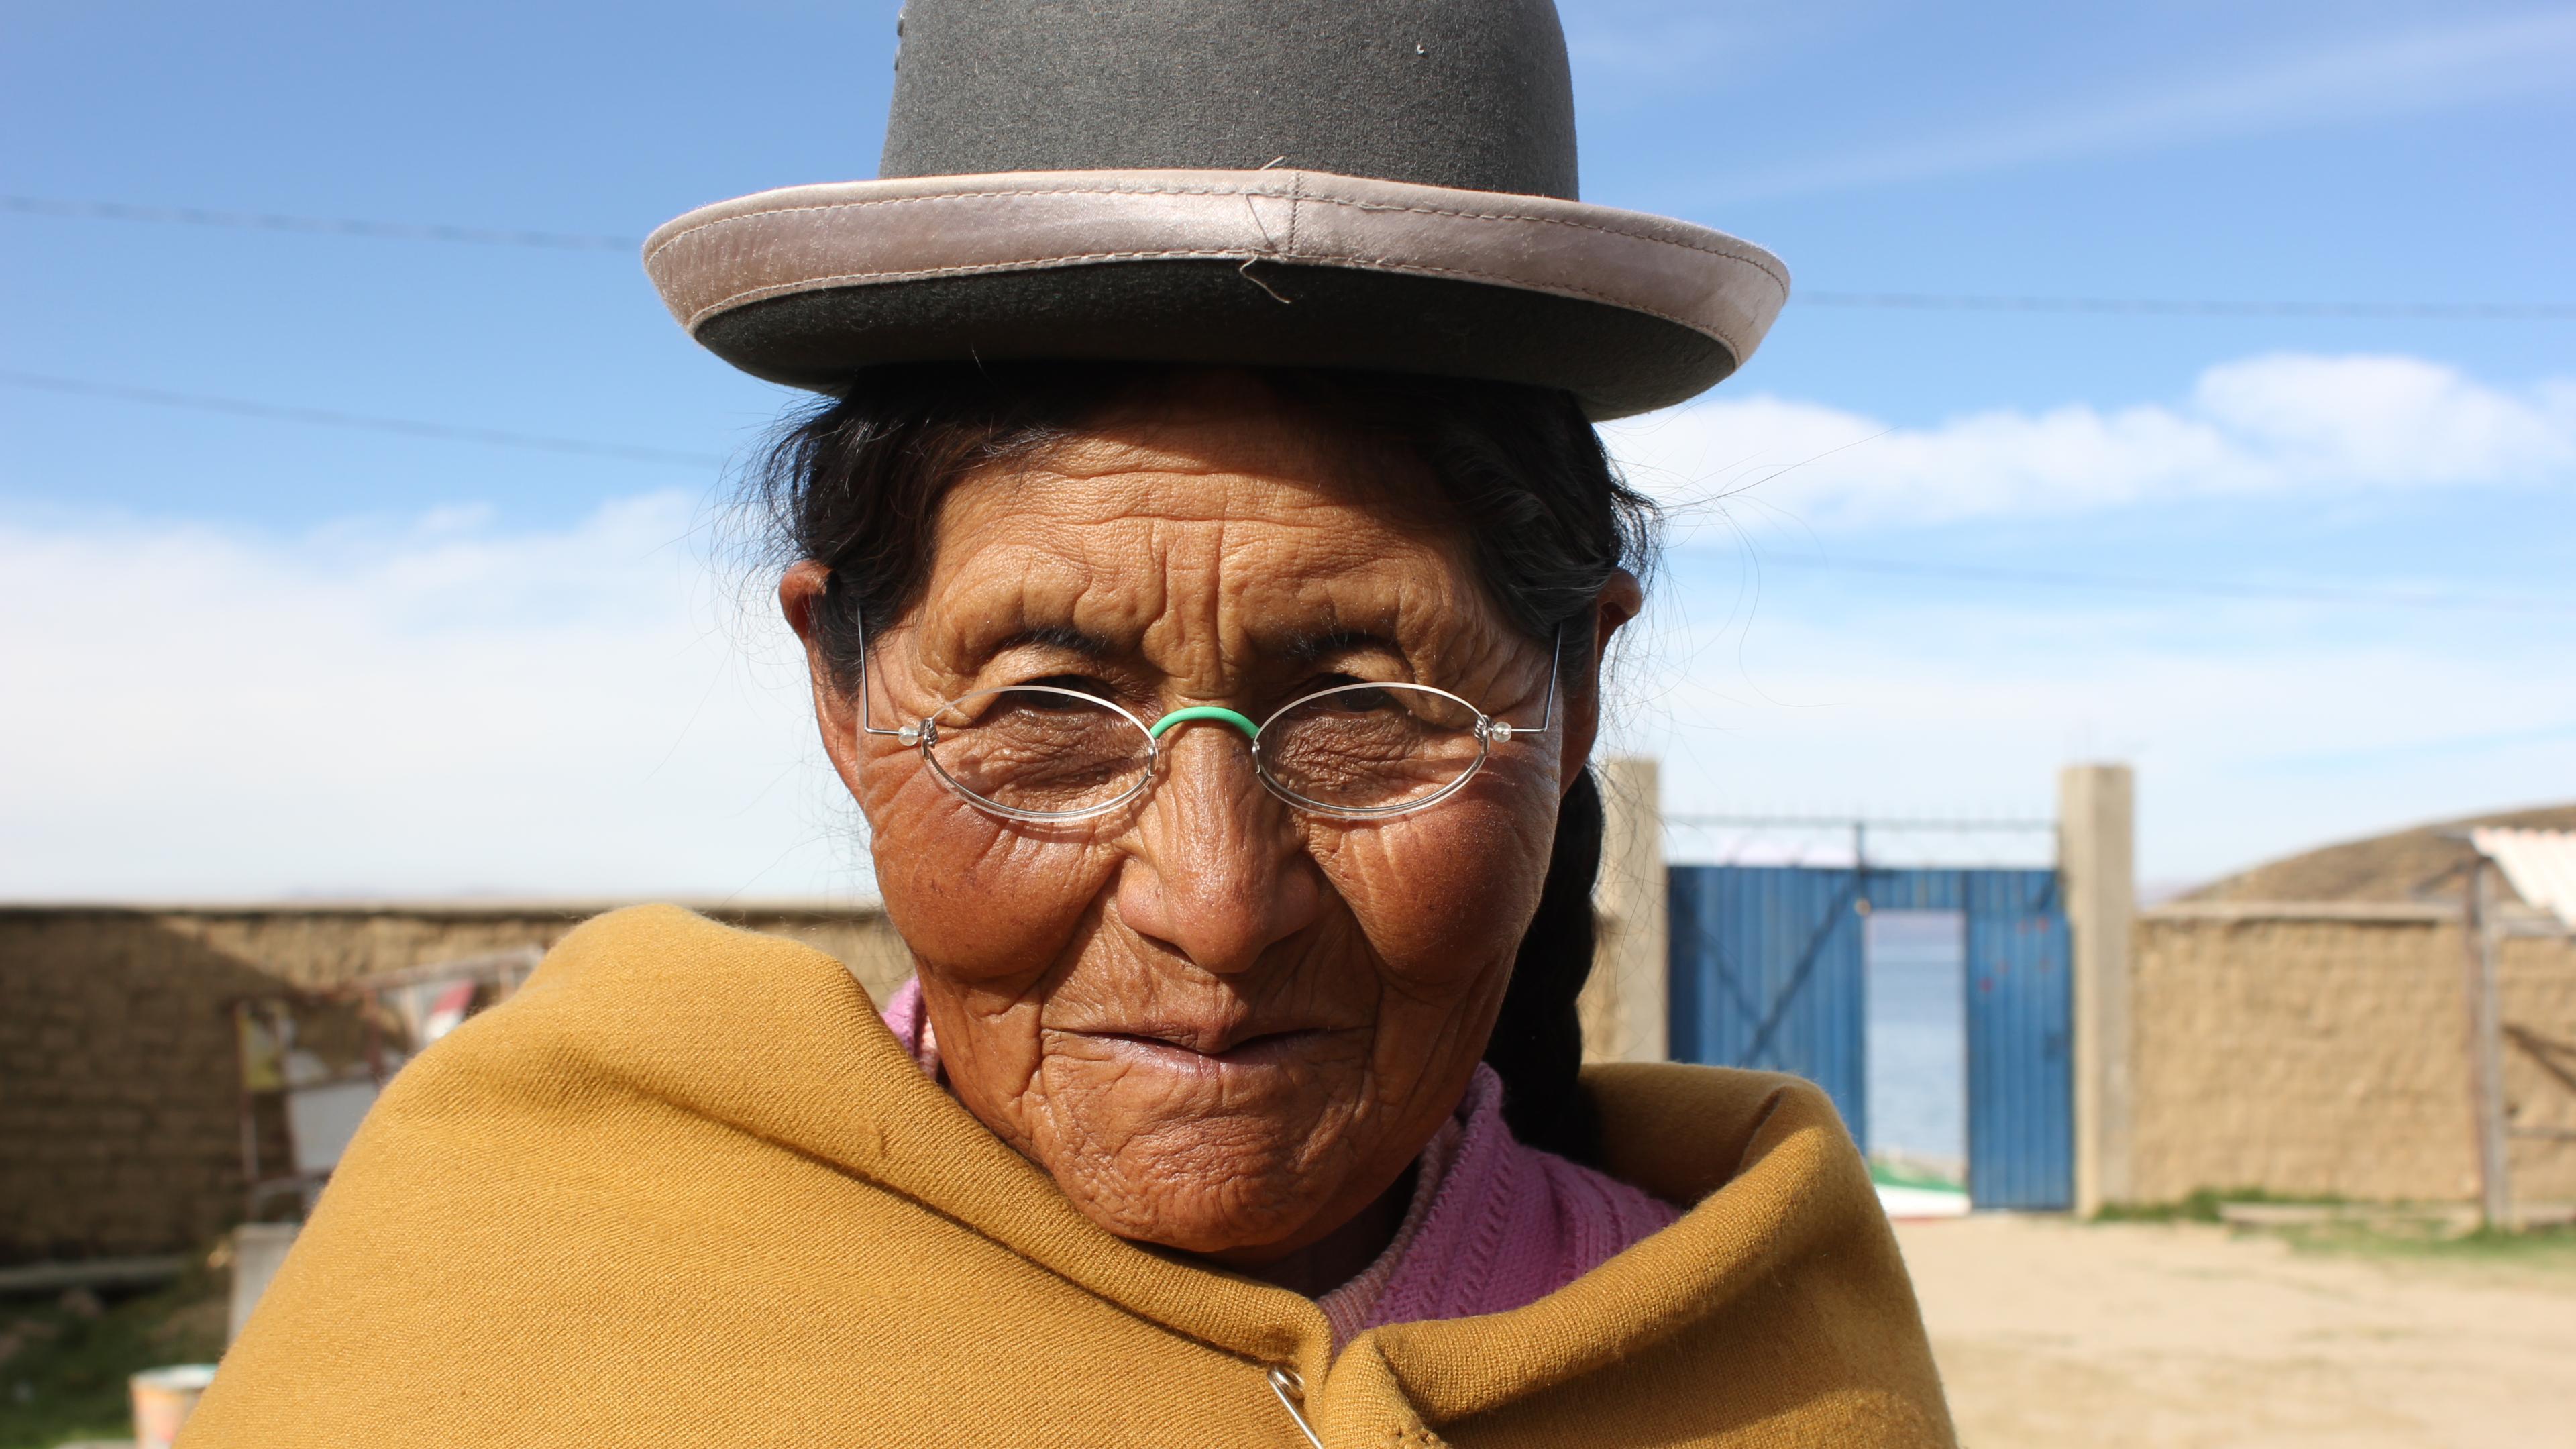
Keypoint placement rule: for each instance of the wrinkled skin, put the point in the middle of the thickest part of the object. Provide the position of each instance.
(1221, 1025)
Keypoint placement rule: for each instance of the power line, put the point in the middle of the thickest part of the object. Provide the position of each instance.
(319, 225)
(2048, 578)
(1885, 301)
(2189, 307)
(322, 417)
(2205, 588)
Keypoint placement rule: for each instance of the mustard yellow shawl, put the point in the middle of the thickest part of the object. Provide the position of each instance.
(687, 1190)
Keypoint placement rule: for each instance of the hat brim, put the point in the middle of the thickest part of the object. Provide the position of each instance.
(811, 285)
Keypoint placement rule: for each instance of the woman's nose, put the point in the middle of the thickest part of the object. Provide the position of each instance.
(1222, 873)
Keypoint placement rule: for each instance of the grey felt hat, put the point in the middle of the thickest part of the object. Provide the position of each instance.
(1384, 184)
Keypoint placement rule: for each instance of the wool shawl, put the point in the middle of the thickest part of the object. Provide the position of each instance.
(686, 1189)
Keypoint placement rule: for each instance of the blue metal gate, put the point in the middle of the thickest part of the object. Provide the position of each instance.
(1767, 972)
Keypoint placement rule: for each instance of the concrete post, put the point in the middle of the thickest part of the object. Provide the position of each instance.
(2486, 1047)
(2097, 861)
(1623, 1004)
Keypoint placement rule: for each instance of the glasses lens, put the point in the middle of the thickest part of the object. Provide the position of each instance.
(1039, 751)
(1371, 747)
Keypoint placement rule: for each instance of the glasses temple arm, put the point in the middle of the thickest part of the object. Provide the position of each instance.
(864, 726)
(1555, 658)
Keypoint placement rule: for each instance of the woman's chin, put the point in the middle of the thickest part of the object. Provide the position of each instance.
(1214, 1234)
(1205, 1192)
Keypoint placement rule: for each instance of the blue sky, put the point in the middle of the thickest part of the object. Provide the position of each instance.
(273, 657)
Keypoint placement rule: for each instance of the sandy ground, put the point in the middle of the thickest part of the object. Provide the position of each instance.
(2054, 1333)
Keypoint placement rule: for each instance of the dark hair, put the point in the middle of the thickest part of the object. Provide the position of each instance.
(1516, 471)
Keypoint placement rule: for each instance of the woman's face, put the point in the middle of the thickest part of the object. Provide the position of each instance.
(1221, 1024)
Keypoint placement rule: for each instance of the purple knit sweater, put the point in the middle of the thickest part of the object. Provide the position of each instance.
(1493, 1224)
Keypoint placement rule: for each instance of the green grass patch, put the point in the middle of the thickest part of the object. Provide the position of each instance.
(2542, 1249)
(63, 1377)
(2204, 1206)
(2421, 1232)
(1892, 1175)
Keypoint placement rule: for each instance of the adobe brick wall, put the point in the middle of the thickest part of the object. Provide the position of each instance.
(119, 1120)
(2320, 1056)
(2295, 1055)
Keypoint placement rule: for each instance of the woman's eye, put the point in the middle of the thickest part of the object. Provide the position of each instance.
(1359, 698)
(1040, 702)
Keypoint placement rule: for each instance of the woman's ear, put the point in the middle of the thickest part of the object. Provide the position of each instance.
(1620, 600)
(800, 593)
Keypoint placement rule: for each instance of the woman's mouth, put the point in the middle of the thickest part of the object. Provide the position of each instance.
(1202, 1051)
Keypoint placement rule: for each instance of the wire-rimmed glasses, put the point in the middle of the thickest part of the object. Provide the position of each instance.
(1042, 752)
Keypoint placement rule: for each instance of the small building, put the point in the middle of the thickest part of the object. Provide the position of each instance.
(2303, 1029)
(123, 1101)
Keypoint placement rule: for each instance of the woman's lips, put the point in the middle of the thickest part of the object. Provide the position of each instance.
(1194, 1051)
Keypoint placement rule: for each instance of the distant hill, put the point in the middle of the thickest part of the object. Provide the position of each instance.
(2406, 865)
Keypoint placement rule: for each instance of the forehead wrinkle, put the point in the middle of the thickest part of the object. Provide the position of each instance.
(1218, 430)
(1244, 593)
(1181, 494)
(985, 589)
(1209, 571)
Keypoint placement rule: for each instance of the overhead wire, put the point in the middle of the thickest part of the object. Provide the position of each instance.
(2195, 307)
(2047, 578)
(573, 241)
(317, 225)
(1884, 301)
(328, 418)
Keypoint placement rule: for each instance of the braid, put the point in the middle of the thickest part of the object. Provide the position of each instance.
(1537, 1046)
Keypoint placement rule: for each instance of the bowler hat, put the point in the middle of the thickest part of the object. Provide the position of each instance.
(1382, 184)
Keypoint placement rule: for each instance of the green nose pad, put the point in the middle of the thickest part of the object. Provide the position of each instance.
(1204, 711)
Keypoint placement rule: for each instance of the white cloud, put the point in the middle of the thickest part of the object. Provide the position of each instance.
(2273, 424)
(448, 705)
(418, 710)
(2256, 730)
(2401, 73)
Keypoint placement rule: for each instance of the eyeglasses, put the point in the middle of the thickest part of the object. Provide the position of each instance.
(1355, 751)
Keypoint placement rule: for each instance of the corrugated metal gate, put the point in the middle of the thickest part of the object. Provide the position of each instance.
(1767, 972)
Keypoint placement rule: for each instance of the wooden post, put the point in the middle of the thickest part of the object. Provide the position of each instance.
(2096, 861)
(1624, 1004)
(2486, 1047)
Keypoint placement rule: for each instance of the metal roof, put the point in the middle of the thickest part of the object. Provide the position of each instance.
(2541, 864)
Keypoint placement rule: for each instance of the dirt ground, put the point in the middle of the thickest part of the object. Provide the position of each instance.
(2178, 1336)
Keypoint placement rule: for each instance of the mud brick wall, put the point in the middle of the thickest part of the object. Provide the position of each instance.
(119, 1099)
(2322, 1056)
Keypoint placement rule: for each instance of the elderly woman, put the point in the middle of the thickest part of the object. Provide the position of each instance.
(1205, 569)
